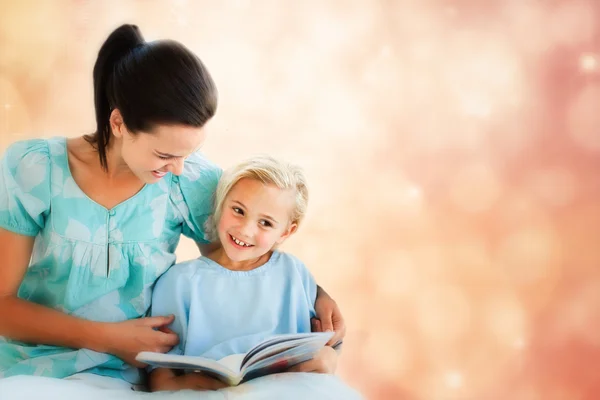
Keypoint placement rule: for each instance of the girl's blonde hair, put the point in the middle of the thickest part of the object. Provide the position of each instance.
(268, 170)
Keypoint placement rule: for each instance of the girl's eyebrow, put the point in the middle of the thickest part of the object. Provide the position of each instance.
(265, 216)
(239, 203)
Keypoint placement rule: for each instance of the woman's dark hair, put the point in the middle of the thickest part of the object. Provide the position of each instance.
(152, 83)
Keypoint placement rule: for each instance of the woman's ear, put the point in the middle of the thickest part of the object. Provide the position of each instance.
(117, 125)
(288, 232)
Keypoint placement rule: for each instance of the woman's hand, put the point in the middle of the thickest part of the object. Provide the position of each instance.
(166, 379)
(329, 317)
(325, 362)
(126, 339)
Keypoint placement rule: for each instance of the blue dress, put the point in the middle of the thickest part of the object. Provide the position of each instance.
(89, 261)
(220, 312)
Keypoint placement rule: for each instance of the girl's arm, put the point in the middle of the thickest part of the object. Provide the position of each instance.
(33, 323)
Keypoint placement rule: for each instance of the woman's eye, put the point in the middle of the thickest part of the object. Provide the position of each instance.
(164, 157)
(265, 223)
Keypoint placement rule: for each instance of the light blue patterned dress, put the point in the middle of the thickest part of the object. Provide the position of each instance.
(89, 261)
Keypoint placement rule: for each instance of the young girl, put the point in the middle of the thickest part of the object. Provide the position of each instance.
(246, 290)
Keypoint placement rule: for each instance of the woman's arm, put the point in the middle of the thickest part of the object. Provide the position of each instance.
(166, 379)
(33, 323)
(207, 248)
(329, 317)
(29, 322)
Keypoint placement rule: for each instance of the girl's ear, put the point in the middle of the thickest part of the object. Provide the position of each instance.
(288, 232)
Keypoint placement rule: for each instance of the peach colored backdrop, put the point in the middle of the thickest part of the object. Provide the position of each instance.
(453, 152)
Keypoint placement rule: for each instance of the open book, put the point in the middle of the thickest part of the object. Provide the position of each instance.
(270, 356)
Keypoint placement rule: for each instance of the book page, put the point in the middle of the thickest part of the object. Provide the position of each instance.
(174, 361)
(282, 361)
(233, 362)
(297, 338)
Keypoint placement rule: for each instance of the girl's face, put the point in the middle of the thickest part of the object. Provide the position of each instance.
(150, 155)
(255, 218)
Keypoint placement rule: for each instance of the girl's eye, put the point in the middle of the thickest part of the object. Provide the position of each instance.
(165, 157)
(237, 210)
(265, 223)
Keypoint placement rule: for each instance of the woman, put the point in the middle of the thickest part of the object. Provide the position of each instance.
(88, 224)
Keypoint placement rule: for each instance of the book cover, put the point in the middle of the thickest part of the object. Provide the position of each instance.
(273, 355)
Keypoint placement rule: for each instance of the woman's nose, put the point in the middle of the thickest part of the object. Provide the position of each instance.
(176, 167)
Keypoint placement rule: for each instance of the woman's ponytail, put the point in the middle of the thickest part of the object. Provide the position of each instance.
(119, 45)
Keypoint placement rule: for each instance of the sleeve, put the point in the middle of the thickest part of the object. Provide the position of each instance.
(171, 295)
(309, 283)
(192, 194)
(25, 187)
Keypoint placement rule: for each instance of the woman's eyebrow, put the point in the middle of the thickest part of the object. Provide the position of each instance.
(160, 153)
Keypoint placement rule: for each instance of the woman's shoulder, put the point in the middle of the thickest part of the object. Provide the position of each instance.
(29, 161)
(198, 167)
(37, 149)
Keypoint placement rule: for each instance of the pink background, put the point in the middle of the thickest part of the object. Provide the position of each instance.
(453, 154)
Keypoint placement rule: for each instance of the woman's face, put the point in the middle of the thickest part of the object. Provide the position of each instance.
(150, 155)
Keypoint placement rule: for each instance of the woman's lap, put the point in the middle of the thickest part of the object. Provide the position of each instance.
(290, 386)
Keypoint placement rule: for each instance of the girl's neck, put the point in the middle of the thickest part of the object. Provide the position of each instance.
(220, 257)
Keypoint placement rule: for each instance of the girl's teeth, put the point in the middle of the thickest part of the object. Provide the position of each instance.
(239, 242)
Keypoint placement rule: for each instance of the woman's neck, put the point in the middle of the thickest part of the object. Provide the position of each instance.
(116, 166)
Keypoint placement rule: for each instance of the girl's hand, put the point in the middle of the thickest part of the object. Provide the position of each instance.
(126, 339)
(325, 362)
(329, 317)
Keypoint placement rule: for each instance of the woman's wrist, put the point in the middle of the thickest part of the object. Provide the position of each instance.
(97, 336)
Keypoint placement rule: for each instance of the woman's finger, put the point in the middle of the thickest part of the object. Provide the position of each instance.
(339, 327)
(164, 329)
(169, 339)
(326, 321)
(316, 325)
(157, 322)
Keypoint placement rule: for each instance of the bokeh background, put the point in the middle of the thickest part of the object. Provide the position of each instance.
(453, 154)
